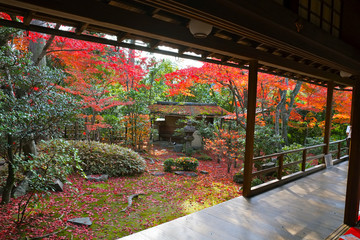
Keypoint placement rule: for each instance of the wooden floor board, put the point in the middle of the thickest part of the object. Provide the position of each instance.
(309, 208)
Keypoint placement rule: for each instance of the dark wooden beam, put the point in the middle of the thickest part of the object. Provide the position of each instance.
(142, 25)
(250, 127)
(154, 44)
(353, 181)
(81, 28)
(121, 36)
(27, 19)
(328, 115)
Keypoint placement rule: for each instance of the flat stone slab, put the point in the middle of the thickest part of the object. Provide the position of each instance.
(157, 174)
(101, 178)
(204, 172)
(189, 174)
(81, 221)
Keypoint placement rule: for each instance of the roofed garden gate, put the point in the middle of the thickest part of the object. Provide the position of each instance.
(167, 115)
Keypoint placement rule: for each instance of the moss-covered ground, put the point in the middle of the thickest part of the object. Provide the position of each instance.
(164, 198)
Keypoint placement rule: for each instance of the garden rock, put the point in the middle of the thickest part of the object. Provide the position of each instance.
(197, 142)
(22, 189)
(101, 178)
(178, 148)
(81, 221)
(204, 172)
(267, 165)
(57, 186)
(179, 173)
(158, 174)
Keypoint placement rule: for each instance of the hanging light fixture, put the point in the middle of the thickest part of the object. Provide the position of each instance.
(199, 29)
(344, 74)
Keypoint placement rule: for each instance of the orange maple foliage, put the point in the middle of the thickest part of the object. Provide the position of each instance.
(312, 98)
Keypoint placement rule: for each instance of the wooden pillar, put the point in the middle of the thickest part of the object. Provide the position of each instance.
(329, 100)
(353, 182)
(250, 127)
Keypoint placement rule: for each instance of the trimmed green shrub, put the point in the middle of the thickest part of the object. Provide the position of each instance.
(292, 157)
(110, 159)
(62, 152)
(168, 164)
(239, 177)
(186, 163)
(256, 181)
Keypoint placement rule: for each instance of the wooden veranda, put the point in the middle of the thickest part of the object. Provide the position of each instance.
(310, 208)
(317, 41)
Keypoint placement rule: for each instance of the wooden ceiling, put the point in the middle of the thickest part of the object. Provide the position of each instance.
(264, 31)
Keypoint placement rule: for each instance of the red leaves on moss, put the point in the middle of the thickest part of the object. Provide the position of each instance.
(166, 198)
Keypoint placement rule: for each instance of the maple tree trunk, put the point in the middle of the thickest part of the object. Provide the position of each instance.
(278, 110)
(37, 50)
(282, 112)
(286, 112)
(284, 128)
(6, 195)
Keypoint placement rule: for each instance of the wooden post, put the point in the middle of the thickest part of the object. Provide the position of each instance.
(281, 166)
(353, 182)
(329, 100)
(303, 164)
(250, 127)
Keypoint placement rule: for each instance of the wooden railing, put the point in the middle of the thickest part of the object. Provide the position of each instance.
(338, 151)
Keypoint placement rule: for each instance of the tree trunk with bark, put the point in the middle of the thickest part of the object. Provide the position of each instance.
(6, 195)
(284, 108)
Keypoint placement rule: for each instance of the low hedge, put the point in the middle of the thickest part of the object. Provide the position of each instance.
(110, 159)
(181, 163)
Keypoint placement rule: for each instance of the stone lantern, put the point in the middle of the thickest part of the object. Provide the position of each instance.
(189, 129)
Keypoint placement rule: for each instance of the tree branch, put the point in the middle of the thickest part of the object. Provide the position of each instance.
(46, 47)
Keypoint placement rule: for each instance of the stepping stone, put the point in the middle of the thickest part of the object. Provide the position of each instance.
(204, 172)
(191, 174)
(81, 221)
(101, 178)
(158, 174)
